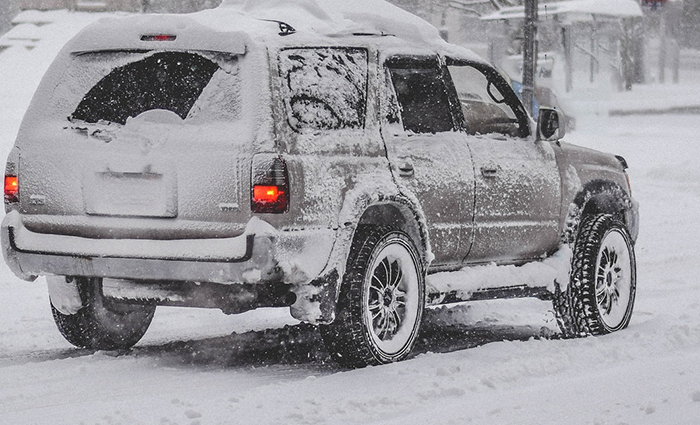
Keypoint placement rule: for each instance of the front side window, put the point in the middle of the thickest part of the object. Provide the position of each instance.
(324, 88)
(170, 81)
(485, 107)
(422, 96)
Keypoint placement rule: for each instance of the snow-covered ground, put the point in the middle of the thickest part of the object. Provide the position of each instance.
(480, 363)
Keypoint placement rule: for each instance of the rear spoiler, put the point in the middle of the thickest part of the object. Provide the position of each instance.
(169, 32)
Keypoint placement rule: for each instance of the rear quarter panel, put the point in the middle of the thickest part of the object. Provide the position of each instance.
(328, 168)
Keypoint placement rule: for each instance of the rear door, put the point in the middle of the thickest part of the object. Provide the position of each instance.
(148, 135)
(518, 191)
(430, 159)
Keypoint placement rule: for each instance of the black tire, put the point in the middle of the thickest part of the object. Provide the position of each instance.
(599, 298)
(381, 302)
(103, 324)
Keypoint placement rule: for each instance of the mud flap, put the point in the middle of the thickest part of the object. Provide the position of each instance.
(64, 294)
(316, 300)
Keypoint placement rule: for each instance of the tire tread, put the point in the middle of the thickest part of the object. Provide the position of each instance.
(576, 306)
(345, 337)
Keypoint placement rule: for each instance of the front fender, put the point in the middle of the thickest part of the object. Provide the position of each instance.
(601, 196)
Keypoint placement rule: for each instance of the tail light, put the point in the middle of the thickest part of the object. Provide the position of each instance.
(270, 191)
(11, 189)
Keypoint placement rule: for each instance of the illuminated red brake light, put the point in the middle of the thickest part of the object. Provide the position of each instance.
(266, 194)
(11, 189)
(270, 191)
(269, 199)
(158, 37)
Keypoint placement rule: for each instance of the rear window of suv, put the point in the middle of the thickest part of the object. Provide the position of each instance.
(324, 88)
(171, 81)
(109, 87)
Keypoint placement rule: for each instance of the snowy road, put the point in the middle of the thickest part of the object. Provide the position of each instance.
(481, 363)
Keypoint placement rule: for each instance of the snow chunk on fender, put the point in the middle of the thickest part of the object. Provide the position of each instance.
(260, 227)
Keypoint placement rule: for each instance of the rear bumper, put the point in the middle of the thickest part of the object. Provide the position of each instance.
(260, 254)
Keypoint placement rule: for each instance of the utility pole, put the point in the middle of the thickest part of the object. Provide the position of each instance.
(529, 54)
(568, 58)
(664, 44)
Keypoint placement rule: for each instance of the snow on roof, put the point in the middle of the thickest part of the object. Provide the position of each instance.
(23, 32)
(335, 17)
(38, 17)
(609, 8)
(233, 25)
(133, 32)
(33, 26)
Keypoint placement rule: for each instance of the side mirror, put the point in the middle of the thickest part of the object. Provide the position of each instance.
(551, 124)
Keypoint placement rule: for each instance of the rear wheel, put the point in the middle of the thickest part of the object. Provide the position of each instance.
(381, 301)
(600, 296)
(103, 323)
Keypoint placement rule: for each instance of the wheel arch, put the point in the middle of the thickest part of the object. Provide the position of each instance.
(380, 209)
(383, 206)
(600, 197)
(399, 213)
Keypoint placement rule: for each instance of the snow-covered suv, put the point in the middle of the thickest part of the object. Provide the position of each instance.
(337, 158)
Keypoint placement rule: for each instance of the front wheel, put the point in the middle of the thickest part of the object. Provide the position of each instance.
(381, 300)
(600, 296)
(103, 323)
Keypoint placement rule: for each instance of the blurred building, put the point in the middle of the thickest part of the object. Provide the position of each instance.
(127, 5)
(8, 10)
(121, 5)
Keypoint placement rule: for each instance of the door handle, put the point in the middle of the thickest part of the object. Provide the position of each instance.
(489, 170)
(405, 168)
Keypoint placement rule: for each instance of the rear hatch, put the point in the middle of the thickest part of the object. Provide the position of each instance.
(139, 144)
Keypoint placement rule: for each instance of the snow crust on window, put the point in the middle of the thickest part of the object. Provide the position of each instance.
(324, 88)
(220, 101)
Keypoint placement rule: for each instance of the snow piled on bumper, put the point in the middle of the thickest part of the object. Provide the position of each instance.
(260, 254)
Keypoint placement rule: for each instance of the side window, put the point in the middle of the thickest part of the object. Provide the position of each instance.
(485, 108)
(324, 88)
(422, 97)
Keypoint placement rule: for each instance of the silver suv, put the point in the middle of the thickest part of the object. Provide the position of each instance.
(233, 159)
